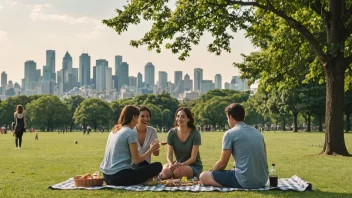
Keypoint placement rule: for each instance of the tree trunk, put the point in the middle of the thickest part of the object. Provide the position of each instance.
(295, 115)
(284, 124)
(348, 123)
(71, 126)
(308, 124)
(334, 137)
(320, 124)
(48, 126)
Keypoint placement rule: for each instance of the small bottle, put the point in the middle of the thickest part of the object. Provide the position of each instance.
(273, 178)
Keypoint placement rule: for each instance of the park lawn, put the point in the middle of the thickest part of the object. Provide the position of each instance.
(54, 158)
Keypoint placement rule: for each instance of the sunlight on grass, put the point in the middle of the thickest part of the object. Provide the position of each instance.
(54, 158)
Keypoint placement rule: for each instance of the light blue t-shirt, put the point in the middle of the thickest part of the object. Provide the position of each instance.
(247, 145)
(117, 152)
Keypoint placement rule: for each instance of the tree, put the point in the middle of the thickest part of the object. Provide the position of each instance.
(93, 111)
(209, 108)
(47, 112)
(73, 102)
(326, 25)
(163, 101)
(168, 119)
(348, 109)
(8, 107)
(157, 115)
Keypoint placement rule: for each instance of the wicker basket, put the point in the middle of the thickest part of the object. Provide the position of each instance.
(87, 182)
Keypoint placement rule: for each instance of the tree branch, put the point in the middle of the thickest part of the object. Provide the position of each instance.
(319, 9)
(348, 13)
(348, 30)
(291, 22)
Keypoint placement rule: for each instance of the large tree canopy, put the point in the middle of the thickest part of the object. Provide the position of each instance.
(324, 25)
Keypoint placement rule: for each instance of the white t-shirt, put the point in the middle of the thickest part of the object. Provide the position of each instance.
(150, 136)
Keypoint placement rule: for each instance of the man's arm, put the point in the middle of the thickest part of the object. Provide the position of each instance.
(265, 150)
(224, 159)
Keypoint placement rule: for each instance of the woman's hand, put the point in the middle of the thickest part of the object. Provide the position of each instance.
(175, 166)
(154, 146)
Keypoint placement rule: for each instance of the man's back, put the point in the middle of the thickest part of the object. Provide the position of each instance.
(247, 146)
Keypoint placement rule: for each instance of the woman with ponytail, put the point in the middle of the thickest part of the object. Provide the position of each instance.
(122, 149)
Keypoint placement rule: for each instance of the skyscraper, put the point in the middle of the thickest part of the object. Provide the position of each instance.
(101, 67)
(46, 73)
(162, 80)
(188, 83)
(139, 80)
(115, 79)
(206, 86)
(123, 75)
(30, 74)
(217, 81)
(3, 82)
(50, 61)
(118, 61)
(149, 74)
(198, 78)
(178, 77)
(108, 78)
(132, 81)
(67, 69)
(75, 75)
(84, 69)
(94, 79)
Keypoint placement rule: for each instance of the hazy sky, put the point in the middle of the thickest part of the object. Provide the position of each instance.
(29, 27)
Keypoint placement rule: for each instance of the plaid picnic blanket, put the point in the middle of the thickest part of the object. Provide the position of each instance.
(294, 183)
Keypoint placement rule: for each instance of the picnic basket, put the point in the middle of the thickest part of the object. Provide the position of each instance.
(88, 182)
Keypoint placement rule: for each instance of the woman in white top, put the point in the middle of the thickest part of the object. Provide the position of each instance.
(20, 126)
(146, 135)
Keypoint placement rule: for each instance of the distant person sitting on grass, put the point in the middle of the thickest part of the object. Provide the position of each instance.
(247, 147)
(121, 150)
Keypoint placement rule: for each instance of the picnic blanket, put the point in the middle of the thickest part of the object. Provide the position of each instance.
(294, 183)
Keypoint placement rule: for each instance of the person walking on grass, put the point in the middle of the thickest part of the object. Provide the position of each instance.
(247, 146)
(183, 140)
(20, 125)
(122, 149)
(146, 135)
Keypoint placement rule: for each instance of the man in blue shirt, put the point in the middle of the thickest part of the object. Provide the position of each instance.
(246, 145)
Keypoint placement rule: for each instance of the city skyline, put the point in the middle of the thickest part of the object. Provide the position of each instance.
(65, 26)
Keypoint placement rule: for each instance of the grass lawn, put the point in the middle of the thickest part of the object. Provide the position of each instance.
(54, 158)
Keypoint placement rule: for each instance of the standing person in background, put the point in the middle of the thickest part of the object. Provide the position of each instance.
(121, 150)
(146, 135)
(20, 125)
(183, 140)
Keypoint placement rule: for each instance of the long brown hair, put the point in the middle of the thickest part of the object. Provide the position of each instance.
(126, 116)
(189, 115)
(19, 109)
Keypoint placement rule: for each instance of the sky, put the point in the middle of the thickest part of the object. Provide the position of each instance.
(29, 27)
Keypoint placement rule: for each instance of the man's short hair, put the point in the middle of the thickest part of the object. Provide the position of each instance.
(236, 111)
